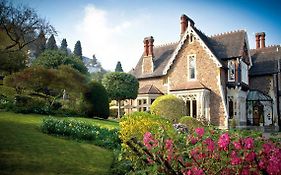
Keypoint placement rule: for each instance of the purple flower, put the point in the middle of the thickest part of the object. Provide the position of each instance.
(200, 131)
(224, 141)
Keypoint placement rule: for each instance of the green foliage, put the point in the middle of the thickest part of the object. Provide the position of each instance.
(118, 67)
(39, 45)
(51, 44)
(169, 107)
(82, 131)
(97, 97)
(191, 123)
(55, 58)
(63, 46)
(135, 125)
(121, 86)
(78, 49)
(7, 96)
(27, 104)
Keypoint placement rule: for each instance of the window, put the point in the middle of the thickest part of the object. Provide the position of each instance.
(144, 101)
(139, 102)
(191, 108)
(151, 101)
(192, 67)
(144, 109)
(244, 72)
(230, 109)
(231, 70)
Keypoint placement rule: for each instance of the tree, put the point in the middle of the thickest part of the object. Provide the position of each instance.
(55, 58)
(22, 25)
(63, 45)
(40, 44)
(95, 60)
(97, 97)
(118, 67)
(120, 86)
(78, 49)
(51, 44)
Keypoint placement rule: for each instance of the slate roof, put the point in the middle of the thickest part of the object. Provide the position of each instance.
(149, 89)
(223, 46)
(191, 85)
(265, 60)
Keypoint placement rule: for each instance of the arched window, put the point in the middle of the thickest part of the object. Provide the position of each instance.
(231, 70)
(230, 108)
(192, 67)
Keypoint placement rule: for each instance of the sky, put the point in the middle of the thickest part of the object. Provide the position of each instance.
(114, 30)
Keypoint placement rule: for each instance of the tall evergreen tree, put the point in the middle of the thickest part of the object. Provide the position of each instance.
(118, 67)
(95, 61)
(40, 44)
(63, 45)
(51, 44)
(78, 49)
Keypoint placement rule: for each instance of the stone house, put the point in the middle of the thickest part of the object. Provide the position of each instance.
(219, 77)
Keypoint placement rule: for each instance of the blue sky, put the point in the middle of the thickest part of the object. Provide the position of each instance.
(113, 30)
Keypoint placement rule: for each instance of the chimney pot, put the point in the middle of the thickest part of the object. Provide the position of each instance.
(150, 46)
(257, 40)
(145, 42)
(262, 38)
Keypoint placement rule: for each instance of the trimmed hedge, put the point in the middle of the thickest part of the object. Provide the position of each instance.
(82, 131)
(169, 107)
(191, 123)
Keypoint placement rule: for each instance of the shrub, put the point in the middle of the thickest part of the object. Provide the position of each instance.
(82, 131)
(134, 126)
(169, 107)
(28, 104)
(209, 152)
(191, 123)
(97, 98)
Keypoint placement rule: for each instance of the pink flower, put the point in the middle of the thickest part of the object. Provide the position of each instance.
(267, 148)
(197, 171)
(199, 132)
(237, 145)
(249, 143)
(250, 156)
(169, 148)
(149, 141)
(245, 171)
(210, 144)
(193, 140)
(235, 160)
(224, 141)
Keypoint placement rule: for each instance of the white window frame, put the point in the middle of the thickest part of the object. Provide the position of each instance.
(188, 69)
(229, 78)
(244, 73)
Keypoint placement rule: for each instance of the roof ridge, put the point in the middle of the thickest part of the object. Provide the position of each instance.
(268, 47)
(227, 33)
(166, 44)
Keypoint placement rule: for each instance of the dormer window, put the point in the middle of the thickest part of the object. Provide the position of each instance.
(231, 70)
(191, 67)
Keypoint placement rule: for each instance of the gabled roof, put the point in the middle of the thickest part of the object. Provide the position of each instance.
(265, 60)
(256, 95)
(161, 57)
(191, 85)
(222, 46)
(149, 89)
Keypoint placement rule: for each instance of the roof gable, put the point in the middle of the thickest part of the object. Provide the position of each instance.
(149, 89)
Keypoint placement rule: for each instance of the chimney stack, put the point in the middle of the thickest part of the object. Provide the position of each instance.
(257, 40)
(185, 21)
(150, 46)
(262, 39)
(145, 42)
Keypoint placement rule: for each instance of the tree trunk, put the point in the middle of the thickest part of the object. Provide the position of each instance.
(119, 108)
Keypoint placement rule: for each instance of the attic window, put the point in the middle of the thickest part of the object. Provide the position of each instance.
(231, 70)
(191, 38)
(191, 67)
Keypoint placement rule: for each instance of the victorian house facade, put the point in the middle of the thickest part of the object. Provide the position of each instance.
(218, 77)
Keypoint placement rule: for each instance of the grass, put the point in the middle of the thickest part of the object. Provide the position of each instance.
(24, 149)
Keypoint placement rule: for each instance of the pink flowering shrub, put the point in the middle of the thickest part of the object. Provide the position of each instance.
(211, 152)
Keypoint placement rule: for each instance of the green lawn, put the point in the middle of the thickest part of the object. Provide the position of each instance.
(24, 149)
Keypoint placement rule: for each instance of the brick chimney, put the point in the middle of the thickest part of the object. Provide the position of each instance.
(257, 40)
(262, 39)
(185, 21)
(147, 62)
(145, 42)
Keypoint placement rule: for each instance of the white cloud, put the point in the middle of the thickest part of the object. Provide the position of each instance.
(111, 39)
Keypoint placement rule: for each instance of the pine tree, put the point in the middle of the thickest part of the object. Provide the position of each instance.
(63, 46)
(40, 44)
(78, 49)
(118, 67)
(51, 44)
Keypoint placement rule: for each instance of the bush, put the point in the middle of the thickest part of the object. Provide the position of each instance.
(169, 107)
(27, 104)
(97, 98)
(134, 126)
(191, 123)
(82, 131)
